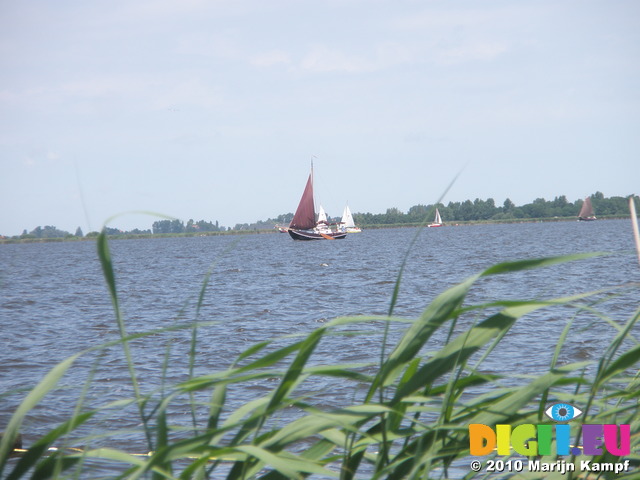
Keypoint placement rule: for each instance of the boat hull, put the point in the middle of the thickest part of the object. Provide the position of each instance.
(309, 235)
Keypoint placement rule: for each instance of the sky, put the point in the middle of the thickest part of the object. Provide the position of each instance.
(213, 110)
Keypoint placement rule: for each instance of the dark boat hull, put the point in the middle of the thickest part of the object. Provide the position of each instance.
(309, 235)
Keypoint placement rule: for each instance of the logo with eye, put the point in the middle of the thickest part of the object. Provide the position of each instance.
(562, 412)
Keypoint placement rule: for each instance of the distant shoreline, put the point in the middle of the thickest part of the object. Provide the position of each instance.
(134, 236)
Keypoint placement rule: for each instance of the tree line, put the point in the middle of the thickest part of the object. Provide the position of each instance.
(178, 226)
(467, 211)
(487, 210)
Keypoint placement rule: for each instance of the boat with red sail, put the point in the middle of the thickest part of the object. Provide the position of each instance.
(586, 212)
(304, 225)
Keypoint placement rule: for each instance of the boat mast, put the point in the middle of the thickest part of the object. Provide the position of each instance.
(314, 195)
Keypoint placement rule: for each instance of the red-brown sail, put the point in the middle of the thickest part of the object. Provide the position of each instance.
(303, 226)
(305, 216)
(586, 212)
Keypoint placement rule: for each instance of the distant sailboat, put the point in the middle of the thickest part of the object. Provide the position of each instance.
(586, 212)
(347, 223)
(437, 221)
(322, 215)
(304, 225)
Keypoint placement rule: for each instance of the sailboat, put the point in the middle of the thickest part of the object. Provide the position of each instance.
(304, 225)
(322, 216)
(347, 224)
(437, 221)
(586, 212)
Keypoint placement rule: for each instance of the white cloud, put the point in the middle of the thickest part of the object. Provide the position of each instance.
(38, 156)
(52, 156)
(323, 59)
(104, 85)
(183, 92)
(42, 96)
(164, 8)
(207, 44)
(130, 90)
(442, 20)
(270, 59)
(471, 52)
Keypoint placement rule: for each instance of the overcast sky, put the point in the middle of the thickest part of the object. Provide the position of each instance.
(213, 110)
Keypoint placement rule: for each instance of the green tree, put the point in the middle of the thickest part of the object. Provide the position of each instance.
(417, 213)
(467, 211)
(177, 226)
(453, 209)
(484, 209)
(113, 231)
(508, 206)
(536, 209)
(560, 201)
(161, 226)
(394, 216)
(49, 231)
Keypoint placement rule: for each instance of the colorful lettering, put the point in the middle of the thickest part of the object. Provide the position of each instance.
(482, 439)
(563, 439)
(611, 438)
(544, 439)
(592, 439)
(521, 439)
(532, 440)
(503, 433)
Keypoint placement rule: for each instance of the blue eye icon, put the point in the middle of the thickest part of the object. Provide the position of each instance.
(563, 412)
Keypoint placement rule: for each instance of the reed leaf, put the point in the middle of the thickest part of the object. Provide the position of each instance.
(41, 447)
(46, 385)
(104, 254)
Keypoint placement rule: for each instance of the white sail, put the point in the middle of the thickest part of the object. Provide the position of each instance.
(437, 221)
(438, 218)
(322, 215)
(347, 223)
(347, 218)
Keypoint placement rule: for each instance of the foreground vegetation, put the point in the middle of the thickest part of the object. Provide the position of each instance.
(410, 421)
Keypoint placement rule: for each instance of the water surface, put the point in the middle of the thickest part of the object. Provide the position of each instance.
(55, 303)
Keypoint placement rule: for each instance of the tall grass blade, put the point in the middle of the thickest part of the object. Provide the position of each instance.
(634, 224)
(40, 448)
(104, 254)
(46, 385)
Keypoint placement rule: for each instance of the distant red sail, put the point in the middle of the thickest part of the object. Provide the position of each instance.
(305, 216)
(587, 210)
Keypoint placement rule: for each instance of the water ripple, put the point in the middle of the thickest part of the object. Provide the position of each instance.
(55, 303)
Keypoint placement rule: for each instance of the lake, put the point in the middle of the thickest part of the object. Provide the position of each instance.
(55, 303)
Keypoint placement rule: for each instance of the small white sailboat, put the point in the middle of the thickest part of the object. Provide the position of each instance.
(346, 223)
(322, 215)
(437, 221)
(322, 225)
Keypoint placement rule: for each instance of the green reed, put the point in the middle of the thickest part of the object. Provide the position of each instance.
(412, 420)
